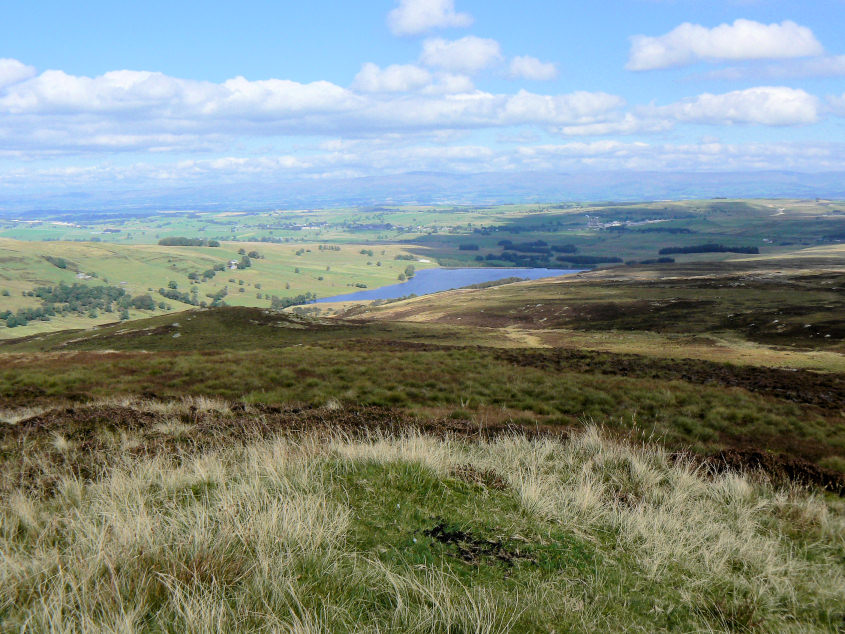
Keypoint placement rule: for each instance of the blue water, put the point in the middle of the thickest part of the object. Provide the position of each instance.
(434, 280)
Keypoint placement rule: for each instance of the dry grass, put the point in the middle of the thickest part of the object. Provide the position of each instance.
(272, 536)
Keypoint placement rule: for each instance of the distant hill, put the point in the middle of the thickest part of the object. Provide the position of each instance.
(436, 187)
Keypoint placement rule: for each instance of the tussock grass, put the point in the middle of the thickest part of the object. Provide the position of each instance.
(312, 534)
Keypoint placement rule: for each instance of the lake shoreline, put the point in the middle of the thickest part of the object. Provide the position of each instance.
(429, 281)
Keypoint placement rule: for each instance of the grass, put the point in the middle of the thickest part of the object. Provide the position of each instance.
(477, 461)
(395, 533)
(142, 269)
(650, 398)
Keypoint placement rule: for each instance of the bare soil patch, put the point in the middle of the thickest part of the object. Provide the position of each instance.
(778, 468)
(475, 550)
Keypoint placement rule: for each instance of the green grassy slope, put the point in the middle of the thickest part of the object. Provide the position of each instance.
(200, 517)
(142, 269)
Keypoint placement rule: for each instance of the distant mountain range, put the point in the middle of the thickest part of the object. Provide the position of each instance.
(436, 188)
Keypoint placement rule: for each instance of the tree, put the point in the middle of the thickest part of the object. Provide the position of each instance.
(143, 302)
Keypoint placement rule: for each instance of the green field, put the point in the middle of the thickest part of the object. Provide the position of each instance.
(327, 252)
(281, 271)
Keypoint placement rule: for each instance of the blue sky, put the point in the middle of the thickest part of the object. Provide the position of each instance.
(99, 94)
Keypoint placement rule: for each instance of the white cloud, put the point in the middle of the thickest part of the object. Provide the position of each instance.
(449, 84)
(469, 54)
(413, 17)
(765, 105)
(527, 67)
(131, 111)
(393, 78)
(405, 78)
(12, 71)
(628, 124)
(742, 40)
(575, 108)
(145, 111)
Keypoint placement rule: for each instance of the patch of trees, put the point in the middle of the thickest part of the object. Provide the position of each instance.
(178, 296)
(328, 247)
(278, 303)
(244, 262)
(565, 248)
(588, 259)
(59, 263)
(652, 261)
(519, 259)
(708, 248)
(143, 302)
(79, 296)
(537, 246)
(467, 247)
(179, 241)
(639, 214)
(78, 299)
(405, 257)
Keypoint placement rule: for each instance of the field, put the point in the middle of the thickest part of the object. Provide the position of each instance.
(639, 447)
(281, 270)
(308, 253)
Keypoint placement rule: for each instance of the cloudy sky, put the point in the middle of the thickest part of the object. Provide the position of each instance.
(102, 93)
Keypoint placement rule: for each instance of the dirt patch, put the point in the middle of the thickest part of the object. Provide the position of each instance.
(779, 469)
(776, 468)
(474, 550)
(486, 477)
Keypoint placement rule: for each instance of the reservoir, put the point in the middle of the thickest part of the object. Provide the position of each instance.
(435, 280)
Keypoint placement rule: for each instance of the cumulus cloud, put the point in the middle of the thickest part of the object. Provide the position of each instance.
(469, 54)
(413, 17)
(574, 108)
(765, 105)
(527, 67)
(138, 110)
(394, 78)
(742, 40)
(56, 92)
(626, 125)
(12, 71)
(404, 78)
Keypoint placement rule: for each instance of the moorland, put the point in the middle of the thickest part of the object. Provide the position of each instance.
(656, 443)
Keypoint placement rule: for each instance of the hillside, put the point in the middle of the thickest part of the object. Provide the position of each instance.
(652, 447)
(200, 515)
(188, 275)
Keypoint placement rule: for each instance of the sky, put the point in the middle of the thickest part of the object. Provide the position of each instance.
(100, 94)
